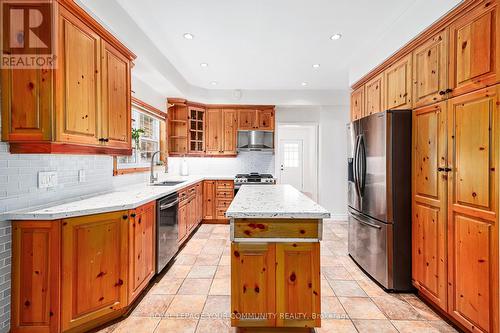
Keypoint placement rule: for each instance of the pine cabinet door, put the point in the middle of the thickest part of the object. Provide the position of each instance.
(116, 107)
(214, 132)
(142, 247)
(374, 93)
(474, 43)
(209, 200)
(298, 291)
(78, 89)
(358, 103)
(430, 70)
(229, 125)
(266, 119)
(473, 153)
(183, 221)
(253, 284)
(430, 202)
(94, 267)
(247, 119)
(36, 272)
(398, 84)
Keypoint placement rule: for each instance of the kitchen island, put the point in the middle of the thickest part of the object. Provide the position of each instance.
(275, 258)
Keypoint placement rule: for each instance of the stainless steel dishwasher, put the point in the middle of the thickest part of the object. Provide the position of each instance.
(167, 230)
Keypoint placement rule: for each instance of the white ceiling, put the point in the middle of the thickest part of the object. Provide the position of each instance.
(263, 44)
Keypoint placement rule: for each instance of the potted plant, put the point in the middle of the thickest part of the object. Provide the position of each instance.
(136, 135)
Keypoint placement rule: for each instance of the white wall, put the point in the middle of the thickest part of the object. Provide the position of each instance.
(332, 122)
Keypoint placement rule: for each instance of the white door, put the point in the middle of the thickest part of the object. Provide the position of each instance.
(292, 163)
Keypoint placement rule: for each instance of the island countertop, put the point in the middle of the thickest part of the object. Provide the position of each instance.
(274, 201)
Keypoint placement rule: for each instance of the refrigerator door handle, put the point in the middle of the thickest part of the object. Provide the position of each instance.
(356, 166)
(362, 171)
(362, 220)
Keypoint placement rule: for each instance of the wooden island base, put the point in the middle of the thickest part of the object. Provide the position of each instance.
(275, 275)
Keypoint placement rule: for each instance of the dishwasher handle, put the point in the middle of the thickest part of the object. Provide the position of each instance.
(169, 205)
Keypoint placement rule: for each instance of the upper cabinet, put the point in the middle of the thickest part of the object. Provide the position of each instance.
(221, 132)
(398, 84)
(265, 119)
(374, 95)
(247, 119)
(82, 106)
(357, 103)
(473, 49)
(430, 70)
(252, 119)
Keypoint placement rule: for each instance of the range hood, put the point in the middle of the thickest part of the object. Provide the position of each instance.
(255, 141)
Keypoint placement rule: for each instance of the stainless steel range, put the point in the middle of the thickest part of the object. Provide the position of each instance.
(252, 178)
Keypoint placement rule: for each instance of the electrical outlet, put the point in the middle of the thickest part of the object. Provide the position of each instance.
(81, 176)
(47, 179)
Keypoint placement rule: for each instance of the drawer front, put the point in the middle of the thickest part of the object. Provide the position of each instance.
(220, 213)
(276, 228)
(221, 203)
(225, 194)
(225, 185)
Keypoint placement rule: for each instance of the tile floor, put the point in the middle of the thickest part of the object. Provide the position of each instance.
(198, 282)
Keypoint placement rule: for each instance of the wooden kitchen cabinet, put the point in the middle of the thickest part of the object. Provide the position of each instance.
(199, 202)
(36, 254)
(298, 290)
(183, 221)
(94, 268)
(141, 248)
(221, 132)
(398, 84)
(473, 145)
(429, 227)
(253, 283)
(430, 70)
(247, 119)
(209, 188)
(265, 119)
(83, 106)
(358, 103)
(474, 44)
(374, 95)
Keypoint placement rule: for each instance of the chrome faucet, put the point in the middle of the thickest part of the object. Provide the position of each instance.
(152, 177)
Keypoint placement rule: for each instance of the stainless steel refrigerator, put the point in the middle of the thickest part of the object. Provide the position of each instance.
(379, 197)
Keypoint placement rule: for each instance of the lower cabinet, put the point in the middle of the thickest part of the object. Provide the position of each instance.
(190, 210)
(209, 200)
(142, 247)
(217, 196)
(94, 267)
(275, 284)
(77, 273)
(182, 221)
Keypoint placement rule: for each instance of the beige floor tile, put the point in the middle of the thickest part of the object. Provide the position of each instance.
(177, 271)
(215, 326)
(168, 325)
(215, 243)
(331, 307)
(195, 287)
(214, 250)
(336, 326)
(374, 325)
(206, 228)
(225, 260)
(202, 272)
(361, 308)
(347, 288)
(221, 229)
(167, 286)
(184, 259)
(408, 326)
(223, 272)
(218, 305)
(371, 288)
(218, 236)
(201, 235)
(423, 309)
(153, 306)
(336, 273)
(183, 304)
(137, 325)
(396, 308)
(205, 259)
(326, 290)
(220, 287)
(442, 326)
(330, 261)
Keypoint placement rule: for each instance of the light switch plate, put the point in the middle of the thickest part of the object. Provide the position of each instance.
(47, 179)
(81, 176)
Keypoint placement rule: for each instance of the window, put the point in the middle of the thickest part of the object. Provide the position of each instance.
(148, 143)
(291, 155)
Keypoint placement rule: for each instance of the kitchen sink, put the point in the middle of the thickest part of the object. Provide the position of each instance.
(169, 183)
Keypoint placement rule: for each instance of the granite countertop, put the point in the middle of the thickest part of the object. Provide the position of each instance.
(274, 201)
(125, 198)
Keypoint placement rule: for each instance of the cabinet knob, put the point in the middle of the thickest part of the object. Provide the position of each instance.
(125, 217)
(442, 92)
(132, 215)
(449, 90)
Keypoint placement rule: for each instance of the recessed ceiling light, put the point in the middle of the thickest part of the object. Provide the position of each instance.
(316, 66)
(336, 37)
(187, 35)
(214, 83)
(304, 84)
(203, 64)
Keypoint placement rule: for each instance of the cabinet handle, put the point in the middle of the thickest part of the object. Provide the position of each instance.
(449, 90)
(125, 217)
(103, 139)
(442, 92)
(119, 283)
(132, 215)
(444, 169)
